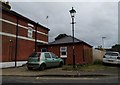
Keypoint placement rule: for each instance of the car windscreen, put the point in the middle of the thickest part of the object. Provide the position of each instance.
(112, 54)
(34, 55)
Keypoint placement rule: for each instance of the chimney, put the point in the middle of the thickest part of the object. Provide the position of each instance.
(5, 5)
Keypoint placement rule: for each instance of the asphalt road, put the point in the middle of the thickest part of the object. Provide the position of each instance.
(22, 80)
(18, 79)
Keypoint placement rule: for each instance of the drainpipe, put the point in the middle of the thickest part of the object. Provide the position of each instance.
(36, 37)
(83, 54)
(16, 43)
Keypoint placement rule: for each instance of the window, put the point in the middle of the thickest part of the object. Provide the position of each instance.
(112, 54)
(30, 32)
(47, 55)
(63, 52)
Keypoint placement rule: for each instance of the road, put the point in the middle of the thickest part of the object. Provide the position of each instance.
(18, 79)
(24, 77)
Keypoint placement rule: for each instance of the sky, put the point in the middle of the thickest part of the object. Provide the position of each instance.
(94, 20)
(119, 23)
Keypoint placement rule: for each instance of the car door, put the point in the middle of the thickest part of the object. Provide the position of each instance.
(48, 60)
(55, 59)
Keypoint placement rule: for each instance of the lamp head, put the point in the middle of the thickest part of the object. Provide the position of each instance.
(72, 12)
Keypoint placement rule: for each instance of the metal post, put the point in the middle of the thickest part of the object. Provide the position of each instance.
(73, 42)
(16, 43)
(103, 42)
(72, 13)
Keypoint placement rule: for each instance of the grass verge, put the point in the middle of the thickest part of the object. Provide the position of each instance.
(87, 67)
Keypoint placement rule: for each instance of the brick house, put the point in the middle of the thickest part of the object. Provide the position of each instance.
(62, 47)
(19, 35)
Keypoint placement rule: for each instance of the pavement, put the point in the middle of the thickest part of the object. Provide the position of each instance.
(55, 72)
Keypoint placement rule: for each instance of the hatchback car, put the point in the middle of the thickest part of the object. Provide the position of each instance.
(111, 58)
(42, 60)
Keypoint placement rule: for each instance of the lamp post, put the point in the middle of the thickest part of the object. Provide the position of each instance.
(103, 42)
(72, 13)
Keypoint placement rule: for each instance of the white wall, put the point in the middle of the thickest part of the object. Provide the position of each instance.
(98, 54)
(11, 64)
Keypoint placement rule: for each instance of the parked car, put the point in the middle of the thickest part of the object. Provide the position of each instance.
(42, 60)
(111, 58)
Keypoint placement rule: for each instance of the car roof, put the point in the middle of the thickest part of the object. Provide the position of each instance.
(112, 52)
(43, 52)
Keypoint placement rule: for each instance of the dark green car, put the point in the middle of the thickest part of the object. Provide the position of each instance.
(42, 60)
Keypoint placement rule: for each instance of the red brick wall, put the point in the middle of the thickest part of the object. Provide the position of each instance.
(8, 28)
(25, 47)
(55, 50)
(22, 32)
(23, 22)
(8, 16)
(80, 51)
(88, 54)
(42, 37)
(41, 29)
(8, 48)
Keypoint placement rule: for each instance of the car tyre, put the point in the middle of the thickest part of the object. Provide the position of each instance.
(42, 67)
(104, 63)
(29, 68)
(61, 64)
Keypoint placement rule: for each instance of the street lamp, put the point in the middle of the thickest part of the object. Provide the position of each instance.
(103, 42)
(72, 13)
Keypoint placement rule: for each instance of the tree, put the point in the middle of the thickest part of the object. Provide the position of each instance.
(116, 47)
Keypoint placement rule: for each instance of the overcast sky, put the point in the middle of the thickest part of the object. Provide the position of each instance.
(94, 20)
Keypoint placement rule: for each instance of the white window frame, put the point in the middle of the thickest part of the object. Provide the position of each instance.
(61, 50)
(30, 32)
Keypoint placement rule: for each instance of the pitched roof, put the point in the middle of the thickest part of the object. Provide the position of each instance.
(67, 40)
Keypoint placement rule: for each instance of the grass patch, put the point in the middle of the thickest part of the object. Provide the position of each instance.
(86, 68)
(98, 62)
(96, 66)
(93, 67)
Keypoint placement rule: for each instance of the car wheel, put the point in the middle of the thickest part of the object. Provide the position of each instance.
(61, 64)
(104, 63)
(42, 67)
(29, 68)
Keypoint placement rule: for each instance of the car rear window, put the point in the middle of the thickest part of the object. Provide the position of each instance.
(112, 54)
(34, 55)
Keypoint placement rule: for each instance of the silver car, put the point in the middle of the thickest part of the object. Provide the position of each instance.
(111, 58)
